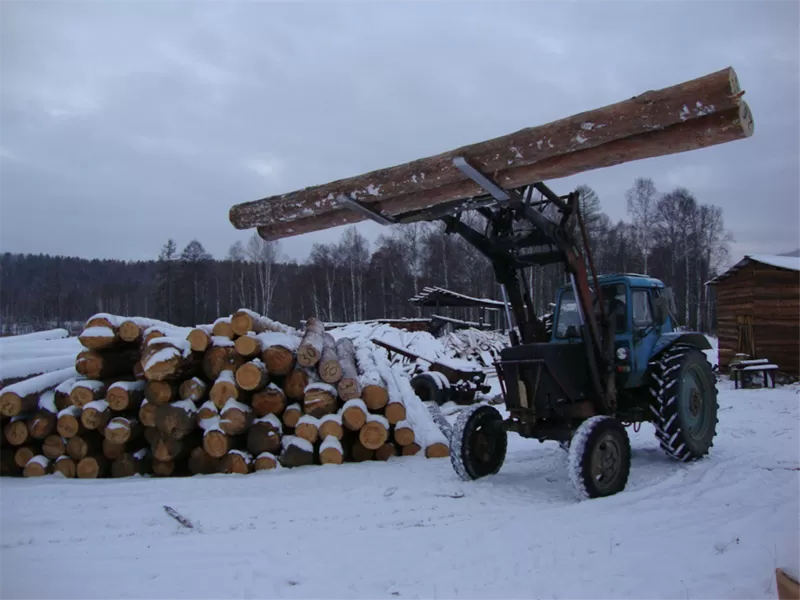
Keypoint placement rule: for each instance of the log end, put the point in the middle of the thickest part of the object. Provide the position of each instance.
(89, 467)
(234, 462)
(373, 435)
(246, 345)
(307, 431)
(16, 433)
(291, 416)
(54, 446)
(395, 412)
(404, 436)
(375, 397)
(411, 449)
(241, 323)
(10, 404)
(66, 466)
(215, 443)
(331, 456)
(35, 469)
(250, 376)
(23, 455)
(265, 463)
(437, 450)
(129, 331)
(279, 361)
(308, 355)
(199, 340)
(354, 418)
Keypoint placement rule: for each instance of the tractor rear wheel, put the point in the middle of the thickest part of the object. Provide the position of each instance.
(478, 443)
(684, 403)
(430, 387)
(599, 457)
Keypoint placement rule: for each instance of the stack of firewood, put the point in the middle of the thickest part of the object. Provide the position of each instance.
(241, 394)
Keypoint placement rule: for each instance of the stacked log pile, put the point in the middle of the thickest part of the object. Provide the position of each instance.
(242, 394)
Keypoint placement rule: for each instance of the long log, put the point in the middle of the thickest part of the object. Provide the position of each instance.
(99, 337)
(169, 359)
(62, 392)
(106, 364)
(132, 329)
(348, 386)
(125, 395)
(329, 369)
(23, 397)
(269, 401)
(373, 387)
(245, 320)
(310, 350)
(649, 112)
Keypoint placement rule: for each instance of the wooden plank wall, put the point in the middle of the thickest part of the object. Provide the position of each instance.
(771, 296)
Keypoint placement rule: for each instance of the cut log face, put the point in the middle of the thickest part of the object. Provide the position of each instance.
(124, 396)
(374, 433)
(221, 358)
(248, 346)
(16, 432)
(207, 411)
(411, 449)
(395, 412)
(295, 384)
(307, 428)
(69, 422)
(80, 446)
(437, 450)
(42, 424)
(252, 376)
(224, 389)
(199, 340)
(297, 453)
(354, 414)
(202, 463)
(269, 401)
(348, 386)
(165, 449)
(92, 467)
(404, 434)
(169, 359)
(375, 396)
(331, 452)
(235, 417)
(147, 413)
(243, 321)
(106, 364)
(217, 443)
(96, 415)
(386, 451)
(38, 466)
(112, 450)
(84, 392)
(236, 461)
(330, 371)
(54, 446)
(66, 466)
(331, 428)
(320, 400)
(121, 430)
(223, 328)
(310, 350)
(194, 389)
(264, 437)
(12, 405)
(279, 360)
(160, 392)
(292, 415)
(129, 331)
(23, 454)
(163, 468)
(97, 338)
(266, 461)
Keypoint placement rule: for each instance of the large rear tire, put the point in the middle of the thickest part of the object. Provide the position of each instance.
(478, 443)
(599, 457)
(684, 402)
(431, 387)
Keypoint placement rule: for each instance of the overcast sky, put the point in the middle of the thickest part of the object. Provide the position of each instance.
(125, 123)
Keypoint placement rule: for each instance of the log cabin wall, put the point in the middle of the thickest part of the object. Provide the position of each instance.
(770, 297)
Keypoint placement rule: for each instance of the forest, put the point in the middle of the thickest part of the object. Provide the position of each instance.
(670, 235)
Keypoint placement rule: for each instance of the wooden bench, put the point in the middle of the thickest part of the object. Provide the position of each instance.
(759, 365)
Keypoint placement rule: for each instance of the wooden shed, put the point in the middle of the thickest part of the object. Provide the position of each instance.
(758, 310)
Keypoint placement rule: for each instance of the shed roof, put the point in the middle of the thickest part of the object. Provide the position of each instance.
(431, 296)
(790, 263)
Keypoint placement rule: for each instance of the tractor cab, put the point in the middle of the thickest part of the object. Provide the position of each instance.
(640, 309)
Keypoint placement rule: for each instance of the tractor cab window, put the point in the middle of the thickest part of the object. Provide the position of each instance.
(568, 323)
(642, 312)
(616, 306)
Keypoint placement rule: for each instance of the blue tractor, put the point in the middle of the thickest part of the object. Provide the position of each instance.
(612, 355)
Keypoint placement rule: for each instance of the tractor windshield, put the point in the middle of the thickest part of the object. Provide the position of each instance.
(568, 324)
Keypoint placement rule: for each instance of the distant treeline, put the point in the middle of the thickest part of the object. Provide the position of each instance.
(670, 236)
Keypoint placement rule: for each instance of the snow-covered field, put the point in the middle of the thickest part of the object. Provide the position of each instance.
(410, 529)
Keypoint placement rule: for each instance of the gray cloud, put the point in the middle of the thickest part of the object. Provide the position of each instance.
(122, 124)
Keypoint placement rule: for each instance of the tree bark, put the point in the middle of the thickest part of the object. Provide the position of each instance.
(264, 436)
(23, 397)
(269, 401)
(329, 368)
(348, 386)
(297, 453)
(386, 451)
(310, 351)
(252, 376)
(411, 449)
(106, 364)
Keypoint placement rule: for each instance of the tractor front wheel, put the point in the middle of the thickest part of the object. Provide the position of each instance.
(599, 457)
(478, 443)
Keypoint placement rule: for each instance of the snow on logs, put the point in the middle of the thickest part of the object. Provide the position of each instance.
(694, 114)
(241, 395)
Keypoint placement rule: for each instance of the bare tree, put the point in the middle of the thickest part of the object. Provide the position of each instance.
(642, 199)
(264, 256)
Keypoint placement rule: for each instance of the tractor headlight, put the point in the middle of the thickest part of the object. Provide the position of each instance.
(622, 353)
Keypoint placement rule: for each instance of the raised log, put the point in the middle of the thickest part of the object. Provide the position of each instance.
(121, 430)
(113, 450)
(411, 449)
(97, 337)
(386, 451)
(177, 419)
(222, 328)
(320, 399)
(235, 417)
(310, 351)
(147, 413)
(307, 428)
(199, 338)
(42, 424)
(160, 392)
(403, 433)
(224, 389)
(221, 358)
(348, 386)
(87, 391)
(66, 466)
(248, 346)
(38, 466)
(125, 395)
(106, 364)
(649, 112)
(264, 435)
(16, 431)
(194, 389)
(245, 320)
(23, 397)
(80, 446)
(331, 452)
(374, 433)
(252, 376)
(297, 452)
(331, 426)
(279, 351)
(129, 464)
(266, 461)
(96, 415)
(103, 320)
(437, 450)
(295, 385)
(236, 461)
(24, 453)
(329, 369)
(269, 401)
(54, 446)
(93, 467)
(292, 415)
(373, 388)
(354, 414)
(69, 422)
(133, 329)
(202, 463)
(169, 359)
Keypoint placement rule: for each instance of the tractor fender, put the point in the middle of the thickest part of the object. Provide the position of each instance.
(690, 338)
